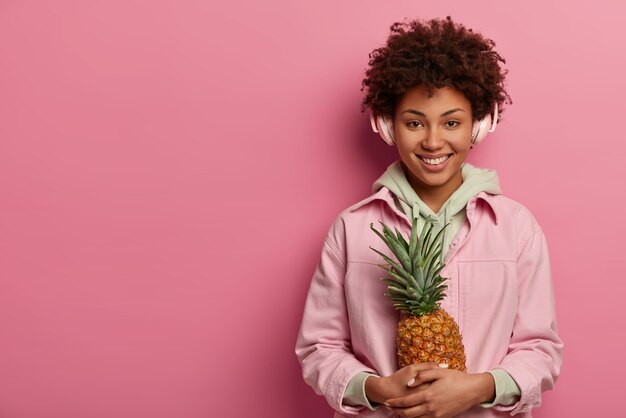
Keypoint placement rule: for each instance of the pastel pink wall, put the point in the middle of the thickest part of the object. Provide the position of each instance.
(168, 170)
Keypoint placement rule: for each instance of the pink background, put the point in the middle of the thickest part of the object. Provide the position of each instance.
(168, 170)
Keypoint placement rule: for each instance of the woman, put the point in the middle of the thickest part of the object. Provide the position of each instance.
(435, 89)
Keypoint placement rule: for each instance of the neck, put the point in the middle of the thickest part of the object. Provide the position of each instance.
(434, 196)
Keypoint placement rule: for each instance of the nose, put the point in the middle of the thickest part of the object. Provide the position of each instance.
(433, 139)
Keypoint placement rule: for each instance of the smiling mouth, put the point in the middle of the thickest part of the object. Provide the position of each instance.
(434, 161)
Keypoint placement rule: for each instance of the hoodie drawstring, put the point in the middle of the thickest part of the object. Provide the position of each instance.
(422, 218)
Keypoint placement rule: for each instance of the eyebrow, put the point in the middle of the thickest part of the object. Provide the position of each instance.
(446, 113)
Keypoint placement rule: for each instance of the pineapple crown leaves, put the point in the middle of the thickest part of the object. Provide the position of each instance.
(414, 282)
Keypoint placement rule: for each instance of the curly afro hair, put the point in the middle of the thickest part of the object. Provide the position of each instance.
(435, 53)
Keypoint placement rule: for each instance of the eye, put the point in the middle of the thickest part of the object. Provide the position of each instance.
(414, 124)
(452, 123)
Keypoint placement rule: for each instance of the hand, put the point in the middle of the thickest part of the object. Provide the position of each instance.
(450, 393)
(379, 389)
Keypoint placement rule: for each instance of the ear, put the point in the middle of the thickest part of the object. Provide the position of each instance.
(383, 125)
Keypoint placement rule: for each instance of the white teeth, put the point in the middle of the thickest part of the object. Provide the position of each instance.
(436, 160)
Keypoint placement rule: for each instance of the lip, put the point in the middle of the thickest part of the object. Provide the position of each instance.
(434, 167)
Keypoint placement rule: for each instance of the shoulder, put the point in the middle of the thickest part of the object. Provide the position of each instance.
(353, 223)
(508, 207)
(513, 216)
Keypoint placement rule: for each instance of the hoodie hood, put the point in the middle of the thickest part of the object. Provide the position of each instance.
(475, 180)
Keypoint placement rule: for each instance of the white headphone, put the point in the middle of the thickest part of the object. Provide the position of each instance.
(383, 125)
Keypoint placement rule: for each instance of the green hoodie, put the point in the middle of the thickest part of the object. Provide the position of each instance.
(475, 180)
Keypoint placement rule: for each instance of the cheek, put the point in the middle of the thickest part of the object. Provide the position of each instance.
(407, 141)
(462, 147)
(462, 141)
(404, 154)
(405, 148)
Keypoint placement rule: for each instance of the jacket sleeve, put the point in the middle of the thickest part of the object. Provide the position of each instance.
(323, 346)
(535, 351)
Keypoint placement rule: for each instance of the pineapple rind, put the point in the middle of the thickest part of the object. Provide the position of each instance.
(433, 337)
(425, 331)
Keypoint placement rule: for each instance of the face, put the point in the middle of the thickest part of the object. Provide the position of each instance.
(433, 136)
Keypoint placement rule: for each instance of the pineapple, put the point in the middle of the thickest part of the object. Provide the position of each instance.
(425, 332)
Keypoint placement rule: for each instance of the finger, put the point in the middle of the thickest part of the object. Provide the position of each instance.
(423, 366)
(412, 412)
(431, 375)
(412, 369)
(408, 401)
(416, 368)
(422, 386)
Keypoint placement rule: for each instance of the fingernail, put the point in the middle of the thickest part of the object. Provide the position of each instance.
(443, 365)
(387, 405)
(410, 382)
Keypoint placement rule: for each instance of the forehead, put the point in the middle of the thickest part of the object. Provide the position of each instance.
(442, 99)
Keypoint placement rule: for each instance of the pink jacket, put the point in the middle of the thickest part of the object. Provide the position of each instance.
(499, 291)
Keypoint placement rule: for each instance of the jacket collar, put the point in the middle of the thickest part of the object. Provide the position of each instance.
(482, 199)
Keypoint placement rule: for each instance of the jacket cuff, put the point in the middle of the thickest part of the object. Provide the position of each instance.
(507, 391)
(530, 394)
(337, 386)
(355, 392)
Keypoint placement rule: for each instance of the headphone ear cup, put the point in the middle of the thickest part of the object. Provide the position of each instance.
(480, 129)
(383, 125)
